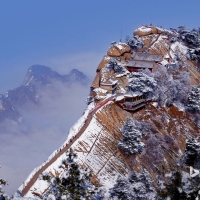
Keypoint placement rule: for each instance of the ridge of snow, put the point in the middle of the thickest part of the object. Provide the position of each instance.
(79, 124)
(40, 185)
(29, 81)
(72, 132)
(1, 106)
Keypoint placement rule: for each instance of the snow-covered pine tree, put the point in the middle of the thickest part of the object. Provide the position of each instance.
(192, 40)
(135, 42)
(170, 89)
(173, 190)
(131, 138)
(192, 152)
(141, 83)
(153, 152)
(121, 189)
(3, 196)
(180, 186)
(190, 37)
(74, 184)
(136, 187)
(193, 103)
(115, 66)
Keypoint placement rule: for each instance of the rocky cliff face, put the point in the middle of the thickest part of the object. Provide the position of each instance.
(148, 79)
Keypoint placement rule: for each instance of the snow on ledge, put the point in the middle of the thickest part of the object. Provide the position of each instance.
(72, 132)
(79, 124)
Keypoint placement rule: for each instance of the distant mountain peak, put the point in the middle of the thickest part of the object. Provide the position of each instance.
(38, 67)
(38, 70)
(44, 75)
(77, 76)
(37, 76)
(76, 71)
(39, 73)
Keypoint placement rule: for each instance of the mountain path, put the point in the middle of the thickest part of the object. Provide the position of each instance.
(55, 157)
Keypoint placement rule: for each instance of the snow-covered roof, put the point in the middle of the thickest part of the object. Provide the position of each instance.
(147, 57)
(140, 64)
(164, 62)
(109, 82)
(132, 94)
(128, 94)
(166, 56)
(119, 98)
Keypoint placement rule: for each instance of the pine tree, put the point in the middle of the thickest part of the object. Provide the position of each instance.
(179, 188)
(131, 138)
(3, 196)
(192, 152)
(113, 65)
(135, 187)
(193, 104)
(74, 184)
(121, 189)
(141, 83)
(135, 42)
(174, 188)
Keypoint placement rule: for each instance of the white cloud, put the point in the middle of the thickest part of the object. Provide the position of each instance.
(25, 146)
(12, 75)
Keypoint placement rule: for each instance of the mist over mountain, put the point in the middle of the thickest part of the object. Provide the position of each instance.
(29, 93)
(35, 119)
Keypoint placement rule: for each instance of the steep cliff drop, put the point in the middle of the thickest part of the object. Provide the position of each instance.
(151, 79)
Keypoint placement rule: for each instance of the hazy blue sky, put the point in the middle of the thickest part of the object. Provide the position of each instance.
(75, 34)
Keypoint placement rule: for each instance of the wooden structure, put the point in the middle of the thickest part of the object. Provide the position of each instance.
(109, 85)
(148, 57)
(136, 65)
(142, 61)
(131, 103)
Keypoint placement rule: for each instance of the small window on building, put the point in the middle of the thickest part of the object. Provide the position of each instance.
(128, 99)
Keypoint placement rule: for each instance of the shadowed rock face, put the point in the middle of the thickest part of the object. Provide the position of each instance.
(37, 77)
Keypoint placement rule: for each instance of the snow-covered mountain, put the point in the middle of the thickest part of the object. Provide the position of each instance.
(142, 114)
(45, 75)
(37, 78)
